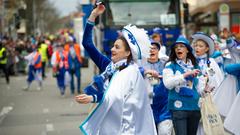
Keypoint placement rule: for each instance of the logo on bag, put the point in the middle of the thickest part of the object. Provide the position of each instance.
(212, 119)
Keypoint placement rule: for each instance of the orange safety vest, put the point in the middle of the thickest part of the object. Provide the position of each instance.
(62, 63)
(39, 64)
(77, 50)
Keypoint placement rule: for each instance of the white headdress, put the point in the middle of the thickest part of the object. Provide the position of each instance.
(138, 41)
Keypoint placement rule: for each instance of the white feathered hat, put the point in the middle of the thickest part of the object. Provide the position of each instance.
(138, 41)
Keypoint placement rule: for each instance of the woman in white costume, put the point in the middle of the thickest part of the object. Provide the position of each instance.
(227, 91)
(232, 121)
(203, 47)
(124, 108)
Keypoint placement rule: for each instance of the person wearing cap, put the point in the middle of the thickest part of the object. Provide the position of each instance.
(35, 66)
(162, 52)
(75, 62)
(203, 47)
(180, 77)
(60, 66)
(158, 92)
(124, 108)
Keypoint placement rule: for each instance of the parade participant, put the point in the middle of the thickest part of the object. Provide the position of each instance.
(179, 76)
(162, 53)
(203, 47)
(153, 71)
(43, 50)
(218, 53)
(124, 106)
(3, 62)
(75, 63)
(34, 67)
(229, 88)
(232, 120)
(60, 66)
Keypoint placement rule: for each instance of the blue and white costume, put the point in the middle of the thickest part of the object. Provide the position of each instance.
(124, 108)
(208, 66)
(232, 121)
(227, 91)
(179, 97)
(34, 68)
(161, 113)
(211, 72)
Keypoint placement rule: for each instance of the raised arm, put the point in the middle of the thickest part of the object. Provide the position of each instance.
(98, 58)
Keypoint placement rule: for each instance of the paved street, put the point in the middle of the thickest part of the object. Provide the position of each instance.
(42, 112)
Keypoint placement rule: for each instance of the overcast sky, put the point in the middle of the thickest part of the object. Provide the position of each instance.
(65, 6)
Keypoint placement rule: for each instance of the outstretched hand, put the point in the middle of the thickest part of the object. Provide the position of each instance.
(83, 99)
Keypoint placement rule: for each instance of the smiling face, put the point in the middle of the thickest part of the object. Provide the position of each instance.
(119, 51)
(181, 51)
(200, 47)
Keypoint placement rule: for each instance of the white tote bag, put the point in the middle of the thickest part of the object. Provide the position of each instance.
(212, 122)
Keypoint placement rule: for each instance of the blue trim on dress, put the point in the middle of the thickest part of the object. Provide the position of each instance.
(100, 103)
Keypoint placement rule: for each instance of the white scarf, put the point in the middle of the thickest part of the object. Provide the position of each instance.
(202, 62)
(185, 66)
(111, 69)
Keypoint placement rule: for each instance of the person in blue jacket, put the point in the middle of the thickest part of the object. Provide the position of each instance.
(180, 77)
(158, 93)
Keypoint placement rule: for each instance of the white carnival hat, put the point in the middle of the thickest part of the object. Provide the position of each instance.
(205, 38)
(138, 41)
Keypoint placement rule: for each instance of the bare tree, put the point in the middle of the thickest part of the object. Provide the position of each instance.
(42, 16)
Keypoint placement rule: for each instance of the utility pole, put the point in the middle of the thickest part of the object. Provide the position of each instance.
(34, 17)
(2, 16)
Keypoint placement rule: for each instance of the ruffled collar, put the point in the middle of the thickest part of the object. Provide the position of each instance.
(204, 56)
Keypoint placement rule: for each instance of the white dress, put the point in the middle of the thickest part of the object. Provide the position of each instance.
(214, 81)
(225, 95)
(232, 121)
(124, 109)
(227, 91)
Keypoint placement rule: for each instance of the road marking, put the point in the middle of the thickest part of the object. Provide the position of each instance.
(5, 110)
(49, 127)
